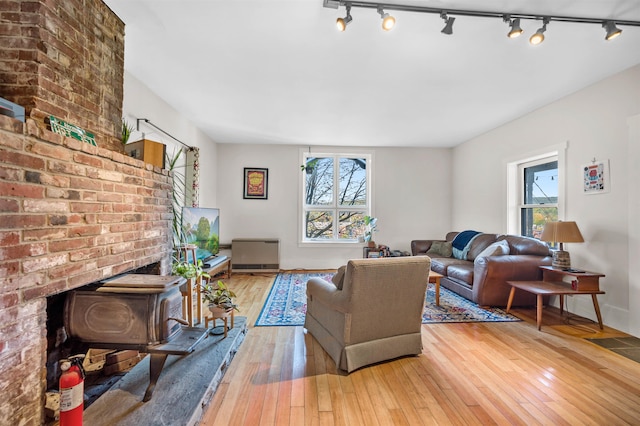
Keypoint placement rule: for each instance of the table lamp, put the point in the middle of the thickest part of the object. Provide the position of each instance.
(561, 232)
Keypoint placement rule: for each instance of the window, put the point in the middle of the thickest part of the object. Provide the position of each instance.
(539, 195)
(335, 197)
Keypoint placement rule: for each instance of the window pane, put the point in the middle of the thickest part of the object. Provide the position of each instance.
(319, 225)
(541, 184)
(533, 220)
(351, 225)
(353, 182)
(319, 182)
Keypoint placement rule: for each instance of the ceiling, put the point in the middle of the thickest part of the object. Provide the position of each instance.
(278, 71)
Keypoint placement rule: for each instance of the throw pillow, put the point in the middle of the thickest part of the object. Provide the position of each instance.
(441, 248)
(338, 278)
(499, 248)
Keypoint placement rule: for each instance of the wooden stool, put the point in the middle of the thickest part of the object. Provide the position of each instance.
(224, 320)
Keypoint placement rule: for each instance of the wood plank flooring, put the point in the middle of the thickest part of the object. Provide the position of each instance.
(468, 374)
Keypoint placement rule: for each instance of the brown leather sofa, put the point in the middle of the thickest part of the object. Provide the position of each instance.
(483, 279)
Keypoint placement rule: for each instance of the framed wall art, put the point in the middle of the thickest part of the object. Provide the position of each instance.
(595, 177)
(256, 183)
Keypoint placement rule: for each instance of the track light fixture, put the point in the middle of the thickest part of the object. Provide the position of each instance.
(342, 23)
(389, 21)
(538, 37)
(515, 30)
(611, 29)
(448, 23)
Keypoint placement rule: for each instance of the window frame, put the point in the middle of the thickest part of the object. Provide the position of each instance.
(515, 182)
(523, 205)
(334, 207)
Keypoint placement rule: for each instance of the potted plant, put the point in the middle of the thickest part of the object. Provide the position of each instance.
(193, 272)
(187, 269)
(309, 166)
(371, 223)
(126, 131)
(219, 298)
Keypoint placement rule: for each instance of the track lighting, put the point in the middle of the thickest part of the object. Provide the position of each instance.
(611, 29)
(388, 21)
(538, 37)
(448, 23)
(342, 23)
(515, 30)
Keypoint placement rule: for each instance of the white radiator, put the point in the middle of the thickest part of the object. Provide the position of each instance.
(255, 255)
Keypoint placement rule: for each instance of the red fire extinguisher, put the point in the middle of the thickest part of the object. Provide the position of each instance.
(71, 391)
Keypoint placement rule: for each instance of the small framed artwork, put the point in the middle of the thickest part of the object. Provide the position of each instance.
(595, 177)
(256, 183)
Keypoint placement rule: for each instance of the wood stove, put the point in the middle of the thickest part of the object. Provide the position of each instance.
(133, 311)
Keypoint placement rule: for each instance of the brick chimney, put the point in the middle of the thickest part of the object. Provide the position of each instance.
(70, 213)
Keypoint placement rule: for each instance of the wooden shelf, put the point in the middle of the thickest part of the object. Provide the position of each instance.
(148, 151)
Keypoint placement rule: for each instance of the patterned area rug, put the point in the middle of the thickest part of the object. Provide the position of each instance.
(287, 304)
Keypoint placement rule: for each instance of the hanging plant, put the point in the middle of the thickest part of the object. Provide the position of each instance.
(310, 166)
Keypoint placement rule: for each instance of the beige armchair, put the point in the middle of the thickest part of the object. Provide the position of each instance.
(374, 314)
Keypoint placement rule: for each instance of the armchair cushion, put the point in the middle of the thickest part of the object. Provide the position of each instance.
(338, 278)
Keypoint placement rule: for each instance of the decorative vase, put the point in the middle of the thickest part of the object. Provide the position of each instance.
(218, 312)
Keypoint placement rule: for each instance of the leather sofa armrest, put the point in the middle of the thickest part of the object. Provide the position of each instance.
(419, 247)
(491, 273)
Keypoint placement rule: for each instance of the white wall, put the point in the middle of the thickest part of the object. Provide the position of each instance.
(634, 225)
(140, 102)
(595, 123)
(411, 199)
(418, 196)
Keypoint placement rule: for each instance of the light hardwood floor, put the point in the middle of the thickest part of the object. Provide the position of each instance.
(468, 374)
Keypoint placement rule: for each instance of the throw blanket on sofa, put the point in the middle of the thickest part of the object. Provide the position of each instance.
(462, 243)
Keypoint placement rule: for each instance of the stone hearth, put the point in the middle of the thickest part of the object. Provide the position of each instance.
(185, 387)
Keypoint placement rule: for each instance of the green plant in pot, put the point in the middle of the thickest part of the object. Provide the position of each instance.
(372, 225)
(188, 269)
(127, 129)
(219, 298)
(193, 272)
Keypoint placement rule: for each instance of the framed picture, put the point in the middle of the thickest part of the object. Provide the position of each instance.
(256, 183)
(595, 177)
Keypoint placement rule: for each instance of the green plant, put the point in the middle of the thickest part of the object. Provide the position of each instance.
(219, 295)
(309, 166)
(126, 131)
(372, 225)
(188, 269)
(179, 193)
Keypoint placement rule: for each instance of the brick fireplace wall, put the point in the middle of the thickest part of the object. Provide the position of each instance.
(66, 59)
(70, 213)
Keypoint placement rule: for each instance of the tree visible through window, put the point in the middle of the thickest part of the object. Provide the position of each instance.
(336, 197)
(539, 202)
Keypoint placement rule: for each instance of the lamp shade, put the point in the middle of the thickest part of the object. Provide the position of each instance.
(561, 232)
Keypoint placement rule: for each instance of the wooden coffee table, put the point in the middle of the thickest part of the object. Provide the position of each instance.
(434, 278)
